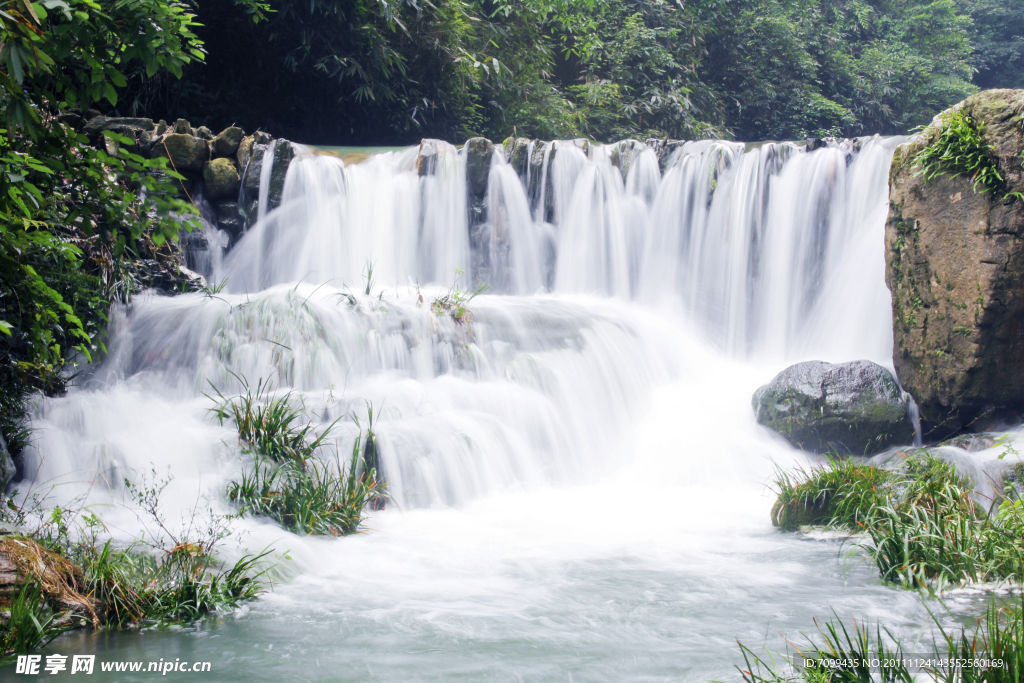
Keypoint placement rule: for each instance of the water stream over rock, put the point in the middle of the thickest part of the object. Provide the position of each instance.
(578, 480)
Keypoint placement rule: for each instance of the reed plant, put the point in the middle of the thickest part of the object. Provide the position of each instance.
(840, 493)
(991, 652)
(320, 498)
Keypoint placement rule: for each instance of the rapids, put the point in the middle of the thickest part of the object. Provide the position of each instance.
(577, 479)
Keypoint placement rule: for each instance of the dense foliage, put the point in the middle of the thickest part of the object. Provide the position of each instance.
(391, 71)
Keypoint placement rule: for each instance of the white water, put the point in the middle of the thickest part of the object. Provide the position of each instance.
(577, 475)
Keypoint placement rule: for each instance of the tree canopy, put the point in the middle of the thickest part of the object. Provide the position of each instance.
(392, 71)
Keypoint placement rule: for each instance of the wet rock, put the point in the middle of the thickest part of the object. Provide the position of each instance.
(621, 155)
(227, 141)
(815, 143)
(972, 443)
(220, 177)
(7, 467)
(230, 219)
(245, 150)
(426, 160)
(284, 152)
(478, 166)
(123, 125)
(955, 267)
(852, 407)
(517, 153)
(185, 152)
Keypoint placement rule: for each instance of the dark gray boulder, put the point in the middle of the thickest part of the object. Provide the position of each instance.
(852, 407)
(185, 152)
(230, 218)
(478, 166)
(98, 124)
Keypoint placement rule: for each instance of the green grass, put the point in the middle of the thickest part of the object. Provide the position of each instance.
(876, 655)
(922, 527)
(872, 655)
(316, 498)
(839, 494)
(272, 427)
(32, 623)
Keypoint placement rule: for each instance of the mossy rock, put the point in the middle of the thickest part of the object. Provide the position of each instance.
(221, 179)
(227, 141)
(185, 152)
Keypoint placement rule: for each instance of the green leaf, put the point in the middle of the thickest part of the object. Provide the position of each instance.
(6, 327)
(111, 94)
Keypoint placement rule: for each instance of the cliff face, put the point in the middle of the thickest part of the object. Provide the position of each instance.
(955, 267)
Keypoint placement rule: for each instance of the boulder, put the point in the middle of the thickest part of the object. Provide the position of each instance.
(221, 179)
(182, 127)
(955, 267)
(227, 141)
(204, 133)
(185, 152)
(855, 408)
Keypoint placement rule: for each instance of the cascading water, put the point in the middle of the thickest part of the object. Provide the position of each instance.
(578, 481)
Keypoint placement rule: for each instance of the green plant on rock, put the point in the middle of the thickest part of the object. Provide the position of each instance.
(840, 493)
(313, 498)
(270, 426)
(961, 150)
(455, 302)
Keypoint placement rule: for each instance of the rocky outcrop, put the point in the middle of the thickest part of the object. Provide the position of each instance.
(955, 267)
(215, 167)
(855, 408)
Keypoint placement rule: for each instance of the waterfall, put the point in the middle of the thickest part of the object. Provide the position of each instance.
(574, 470)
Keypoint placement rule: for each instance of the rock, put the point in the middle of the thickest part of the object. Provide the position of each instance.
(955, 267)
(972, 443)
(7, 468)
(478, 166)
(426, 160)
(204, 133)
(221, 179)
(815, 143)
(517, 153)
(161, 127)
(284, 152)
(230, 218)
(622, 153)
(185, 152)
(226, 143)
(244, 152)
(124, 125)
(182, 127)
(665, 149)
(852, 407)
